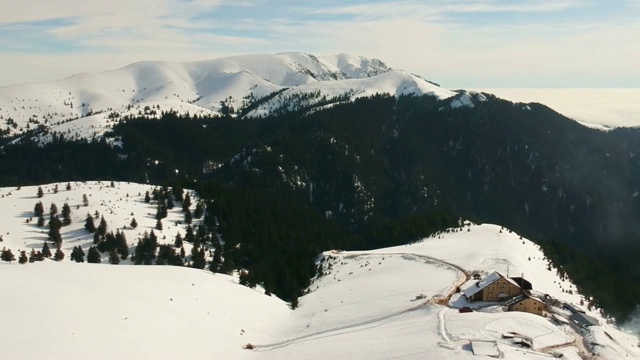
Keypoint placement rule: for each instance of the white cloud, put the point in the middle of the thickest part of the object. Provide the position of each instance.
(422, 9)
(418, 36)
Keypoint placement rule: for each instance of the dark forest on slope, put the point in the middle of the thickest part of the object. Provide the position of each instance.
(378, 172)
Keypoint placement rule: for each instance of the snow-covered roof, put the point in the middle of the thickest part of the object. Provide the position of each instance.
(485, 348)
(583, 320)
(471, 288)
(525, 295)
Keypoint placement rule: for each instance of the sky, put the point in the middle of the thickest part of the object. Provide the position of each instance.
(459, 44)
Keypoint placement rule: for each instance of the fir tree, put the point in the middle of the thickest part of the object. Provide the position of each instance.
(96, 238)
(32, 255)
(41, 221)
(66, 215)
(199, 210)
(102, 228)
(186, 203)
(40, 192)
(23, 259)
(85, 200)
(134, 223)
(93, 256)
(124, 252)
(188, 218)
(68, 186)
(54, 231)
(46, 252)
(198, 257)
(55, 189)
(114, 259)
(159, 225)
(147, 198)
(53, 210)
(59, 256)
(189, 236)
(7, 255)
(178, 243)
(77, 254)
(38, 210)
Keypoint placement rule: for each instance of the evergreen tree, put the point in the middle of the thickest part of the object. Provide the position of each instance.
(53, 210)
(189, 236)
(102, 228)
(68, 186)
(77, 254)
(46, 252)
(121, 245)
(66, 215)
(178, 192)
(74, 254)
(96, 238)
(198, 257)
(41, 221)
(134, 223)
(54, 231)
(147, 198)
(186, 203)
(114, 259)
(40, 192)
(85, 200)
(188, 218)
(7, 255)
(199, 210)
(178, 243)
(159, 225)
(93, 256)
(59, 256)
(124, 252)
(23, 259)
(38, 210)
(55, 189)
(32, 255)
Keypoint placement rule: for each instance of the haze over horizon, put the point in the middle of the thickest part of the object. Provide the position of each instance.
(459, 44)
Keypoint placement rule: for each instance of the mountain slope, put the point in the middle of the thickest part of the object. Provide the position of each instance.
(90, 101)
(362, 300)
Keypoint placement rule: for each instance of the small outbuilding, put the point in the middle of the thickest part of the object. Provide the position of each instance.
(526, 302)
(583, 320)
(523, 283)
(573, 308)
(485, 348)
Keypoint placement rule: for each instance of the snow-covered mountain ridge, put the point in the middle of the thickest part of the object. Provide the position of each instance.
(83, 104)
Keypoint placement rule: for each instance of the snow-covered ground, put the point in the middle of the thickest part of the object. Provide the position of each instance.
(119, 205)
(381, 304)
(599, 108)
(80, 106)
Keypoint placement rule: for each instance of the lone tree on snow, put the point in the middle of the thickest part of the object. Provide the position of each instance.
(7, 255)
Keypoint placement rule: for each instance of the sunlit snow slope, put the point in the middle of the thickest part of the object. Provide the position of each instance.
(382, 304)
(79, 106)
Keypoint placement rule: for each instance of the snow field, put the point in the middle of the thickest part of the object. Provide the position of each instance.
(379, 304)
(119, 205)
(61, 310)
(363, 288)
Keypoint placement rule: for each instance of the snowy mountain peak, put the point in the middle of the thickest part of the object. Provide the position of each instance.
(84, 105)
